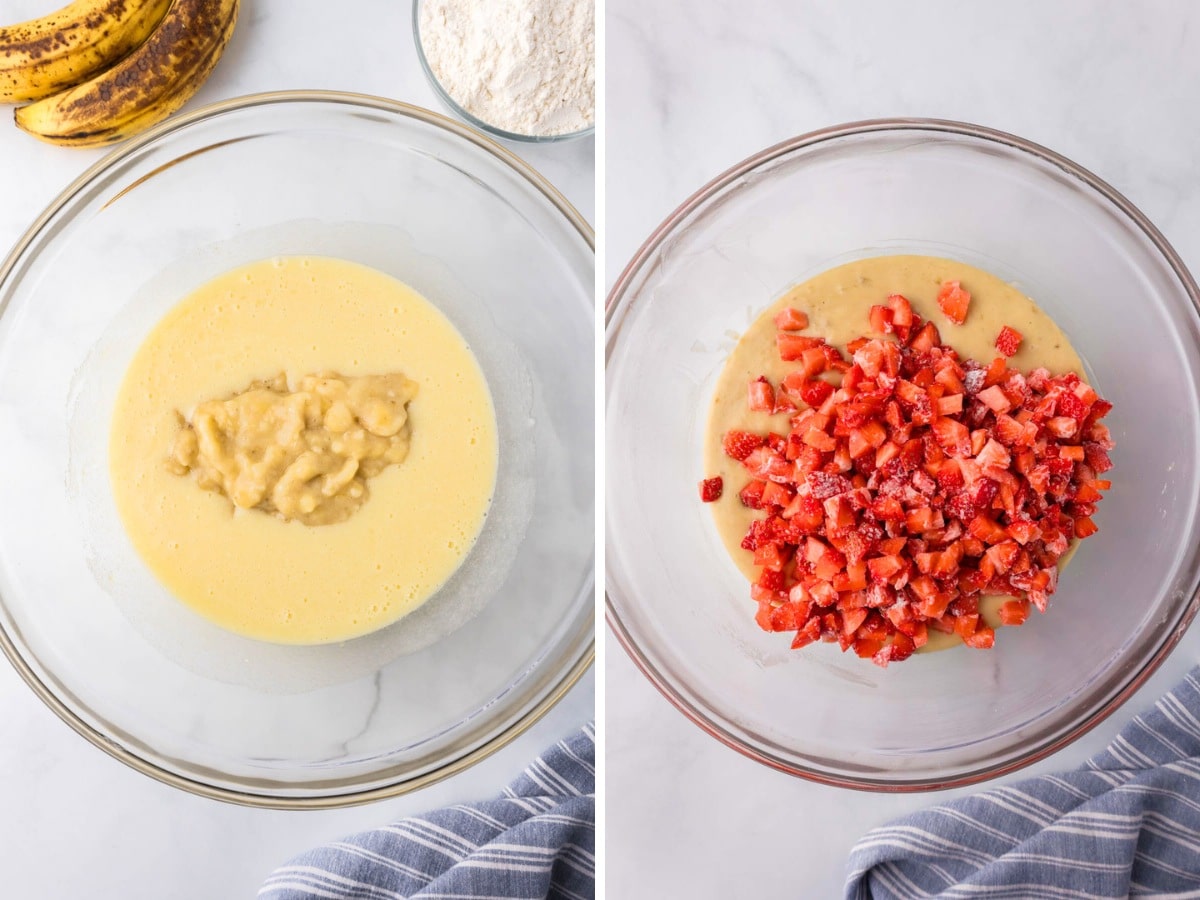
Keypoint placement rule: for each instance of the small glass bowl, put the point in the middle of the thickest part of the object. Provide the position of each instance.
(411, 193)
(1092, 261)
(451, 104)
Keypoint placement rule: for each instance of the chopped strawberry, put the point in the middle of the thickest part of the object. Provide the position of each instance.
(769, 556)
(926, 339)
(993, 454)
(792, 346)
(950, 405)
(995, 399)
(902, 311)
(751, 495)
(711, 488)
(814, 361)
(775, 494)
(900, 648)
(823, 485)
(952, 436)
(808, 634)
(982, 639)
(790, 319)
(761, 396)
(997, 373)
(740, 444)
(815, 392)
(1008, 341)
(771, 579)
(765, 464)
(954, 300)
(1014, 612)
(881, 319)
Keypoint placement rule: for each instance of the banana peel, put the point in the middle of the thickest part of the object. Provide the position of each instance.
(46, 55)
(145, 87)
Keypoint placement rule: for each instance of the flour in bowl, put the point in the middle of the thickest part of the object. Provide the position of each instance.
(523, 66)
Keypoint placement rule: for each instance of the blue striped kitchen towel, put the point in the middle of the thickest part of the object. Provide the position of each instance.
(536, 840)
(1125, 824)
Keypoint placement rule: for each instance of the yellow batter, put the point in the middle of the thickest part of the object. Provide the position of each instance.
(252, 572)
(837, 303)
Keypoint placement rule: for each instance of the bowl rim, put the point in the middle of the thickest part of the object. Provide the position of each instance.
(617, 306)
(454, 106)
(584, 658)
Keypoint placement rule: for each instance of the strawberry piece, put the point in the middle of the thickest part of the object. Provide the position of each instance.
(886, 568)
(1097, 458)
(899, 649)
(954, 300)
(986, 529)
(751, 495)
(765, 464)
(1008, 341)
(792, 346)
(995, 399)
(952, 436)
(997, 372)
(983, 638)
(926, 339)
(771, 579)
(813, 361)
(1014, 612)
(950, 405)
(807, 634)
(823, 485)
(901, 309)
(807, 512)
(740, 444)
(711, 489)
(776, 616)
(790, 319)
(818, 439)
(1069, 404)
(881, 319)
(993, 454)
(815, 392)
(769, 556)
(761, 396)
(775, 494)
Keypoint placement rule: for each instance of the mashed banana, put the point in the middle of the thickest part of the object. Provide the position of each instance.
(304, 453)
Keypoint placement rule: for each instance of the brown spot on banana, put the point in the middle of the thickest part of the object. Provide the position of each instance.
(141, 90)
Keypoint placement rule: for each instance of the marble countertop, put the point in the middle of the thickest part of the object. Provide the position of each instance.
(694, 88)
(74, 822)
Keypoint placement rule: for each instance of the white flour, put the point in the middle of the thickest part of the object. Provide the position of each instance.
(525, 66)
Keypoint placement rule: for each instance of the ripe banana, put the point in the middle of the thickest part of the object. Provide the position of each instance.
(145, 87)
(42, 56)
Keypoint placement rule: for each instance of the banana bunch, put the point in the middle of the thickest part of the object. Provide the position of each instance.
(99, 71)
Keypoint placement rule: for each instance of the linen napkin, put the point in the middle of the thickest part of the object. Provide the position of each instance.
(536, 840)
(1127, 823)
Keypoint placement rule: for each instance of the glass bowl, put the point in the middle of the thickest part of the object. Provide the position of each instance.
(451, 104)
(411, 193)
(1093, 262)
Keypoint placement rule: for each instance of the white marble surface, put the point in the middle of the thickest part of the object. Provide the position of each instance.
(692, 89)
(74, 822)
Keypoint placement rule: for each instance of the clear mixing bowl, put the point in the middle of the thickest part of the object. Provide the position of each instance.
(406, 191)
(1102, 272)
